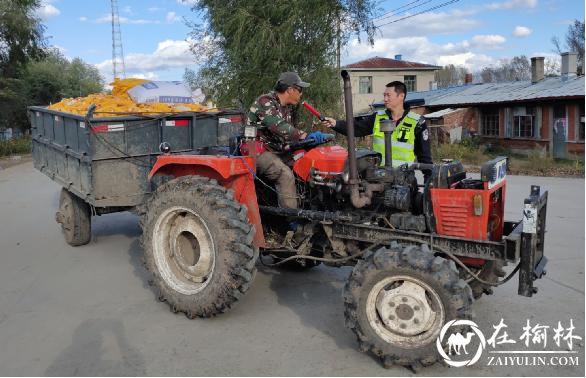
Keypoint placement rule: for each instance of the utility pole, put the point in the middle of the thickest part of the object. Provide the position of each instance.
(118, 68)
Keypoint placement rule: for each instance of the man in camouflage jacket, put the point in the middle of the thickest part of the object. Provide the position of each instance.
(271, 113)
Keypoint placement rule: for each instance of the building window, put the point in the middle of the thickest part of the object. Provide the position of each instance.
(581, 124)
(559, 112)
(365, 84)
(490, 122)
(410, 82)
(524, 123)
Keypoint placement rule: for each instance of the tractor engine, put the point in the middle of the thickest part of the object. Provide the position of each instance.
(394, 195)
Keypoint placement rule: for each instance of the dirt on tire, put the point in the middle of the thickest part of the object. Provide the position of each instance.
(416, 261)
(235, 255)
(75, 219)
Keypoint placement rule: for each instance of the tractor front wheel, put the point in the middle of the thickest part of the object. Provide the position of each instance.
(398, 299)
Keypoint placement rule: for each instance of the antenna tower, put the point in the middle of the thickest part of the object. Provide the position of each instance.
(118, 68)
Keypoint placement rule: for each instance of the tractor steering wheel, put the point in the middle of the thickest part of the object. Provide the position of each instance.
(308, 143)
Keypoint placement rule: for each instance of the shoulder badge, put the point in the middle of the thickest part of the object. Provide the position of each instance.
(414, 116)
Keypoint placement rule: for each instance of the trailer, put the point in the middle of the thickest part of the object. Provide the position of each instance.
(103, 163)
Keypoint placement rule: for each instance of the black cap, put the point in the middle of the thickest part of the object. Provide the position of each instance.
(292, 78)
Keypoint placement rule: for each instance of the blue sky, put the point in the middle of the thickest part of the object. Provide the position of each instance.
(467, 32)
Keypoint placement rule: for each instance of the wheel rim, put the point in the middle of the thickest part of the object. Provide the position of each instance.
(66, 210)
(184, 250)
(405, 311)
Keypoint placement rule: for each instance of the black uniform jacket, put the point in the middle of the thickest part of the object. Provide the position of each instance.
(364, 125)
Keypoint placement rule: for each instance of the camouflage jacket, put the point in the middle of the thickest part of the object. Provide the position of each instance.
(273, 119)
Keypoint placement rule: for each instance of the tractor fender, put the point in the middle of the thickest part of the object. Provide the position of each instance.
(232, 172)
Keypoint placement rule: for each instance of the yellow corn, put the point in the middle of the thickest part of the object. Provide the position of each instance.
(108, 105)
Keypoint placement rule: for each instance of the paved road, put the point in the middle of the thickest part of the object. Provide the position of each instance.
(90, 310)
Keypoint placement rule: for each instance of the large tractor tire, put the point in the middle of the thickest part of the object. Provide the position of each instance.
(397, 300)
(75, 218)
(198, 246)
(491, 271)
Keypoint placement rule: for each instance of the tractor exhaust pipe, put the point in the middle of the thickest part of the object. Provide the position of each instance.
(387, 127)
(353, 174)
(358, 199)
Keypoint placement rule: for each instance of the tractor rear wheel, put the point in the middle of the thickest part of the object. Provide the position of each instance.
(198, 246)
(75, 218)
(491, 271)
(398, 299)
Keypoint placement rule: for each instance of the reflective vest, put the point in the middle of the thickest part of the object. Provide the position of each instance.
(403, 138)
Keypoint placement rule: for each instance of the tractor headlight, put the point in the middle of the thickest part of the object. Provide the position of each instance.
(478, 204)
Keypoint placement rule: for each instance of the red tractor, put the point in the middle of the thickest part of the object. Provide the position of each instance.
(421, 253)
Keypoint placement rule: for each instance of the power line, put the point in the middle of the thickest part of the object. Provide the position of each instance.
(392, 11)
(418, 13)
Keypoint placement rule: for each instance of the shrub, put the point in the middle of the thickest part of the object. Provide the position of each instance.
(15, 146)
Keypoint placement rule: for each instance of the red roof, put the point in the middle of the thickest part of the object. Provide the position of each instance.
(378, 62)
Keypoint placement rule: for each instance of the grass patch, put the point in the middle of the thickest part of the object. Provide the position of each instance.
(15, 146)
(472, 153)
(467, 154)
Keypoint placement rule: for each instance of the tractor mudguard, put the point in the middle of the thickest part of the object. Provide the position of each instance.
(232, 172)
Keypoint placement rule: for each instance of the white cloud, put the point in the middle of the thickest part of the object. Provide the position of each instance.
(421, 50)
(146, 75)
(172, 17)
(430, 24)
(168, 54)
(488, 41)
(474, 62)
(522, 31)
(61, 49)
(124, 20)
(188, 2)
(154, 9)
(47, 11)
(512, 4)
(127, 9)
(83, 19)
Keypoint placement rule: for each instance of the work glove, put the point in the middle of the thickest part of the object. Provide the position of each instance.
(318, 137)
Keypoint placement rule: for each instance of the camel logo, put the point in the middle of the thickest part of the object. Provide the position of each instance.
(457, 343)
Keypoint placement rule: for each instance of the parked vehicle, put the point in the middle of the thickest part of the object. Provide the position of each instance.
(421, 253)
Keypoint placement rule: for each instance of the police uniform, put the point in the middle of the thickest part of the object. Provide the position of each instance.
(410, 140)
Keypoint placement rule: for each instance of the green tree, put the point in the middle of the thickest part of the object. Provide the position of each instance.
(21, 39)
(21, 35)
(244, 45)
(53, 78)
(45, 81)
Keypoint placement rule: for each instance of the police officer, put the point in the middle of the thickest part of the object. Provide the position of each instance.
(410, 138)
(271, 113)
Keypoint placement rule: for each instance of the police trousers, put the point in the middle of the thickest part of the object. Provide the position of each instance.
(273, 168)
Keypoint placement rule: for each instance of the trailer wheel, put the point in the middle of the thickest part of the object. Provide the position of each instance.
(75, 218)
(491, 271)
(198, 246)
(397, 300)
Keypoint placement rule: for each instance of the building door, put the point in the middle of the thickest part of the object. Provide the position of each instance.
(560, 126)
(559, 138)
